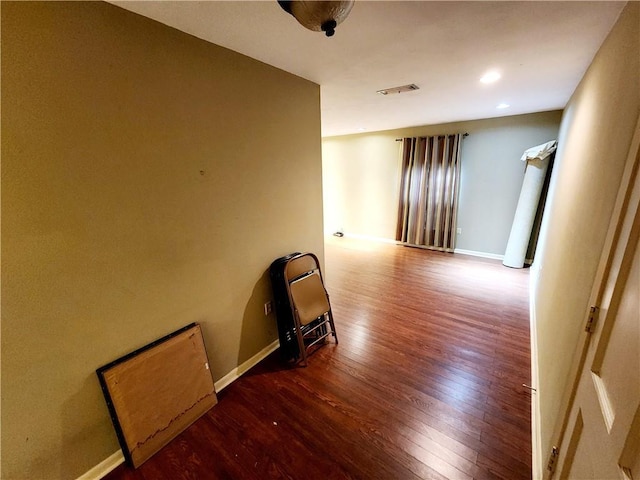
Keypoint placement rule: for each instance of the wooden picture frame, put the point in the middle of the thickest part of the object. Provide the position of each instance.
(157, 391)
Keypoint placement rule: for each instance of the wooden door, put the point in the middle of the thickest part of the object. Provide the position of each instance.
(600, 437)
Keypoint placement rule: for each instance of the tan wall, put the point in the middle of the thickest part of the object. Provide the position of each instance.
(595, 135)
(362, 177)
(148, 180)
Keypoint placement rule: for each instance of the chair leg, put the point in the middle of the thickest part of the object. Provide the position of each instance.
(333, 326)
(303, 350)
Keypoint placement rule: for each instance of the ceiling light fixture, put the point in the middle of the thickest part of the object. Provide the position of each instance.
(401, 89)
(503, 105)
(318, 16)
(490, 77)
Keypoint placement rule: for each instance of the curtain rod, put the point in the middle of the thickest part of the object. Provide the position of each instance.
(465, 134)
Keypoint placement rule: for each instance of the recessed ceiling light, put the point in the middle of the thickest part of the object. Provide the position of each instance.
(490, 77)
(503, 105)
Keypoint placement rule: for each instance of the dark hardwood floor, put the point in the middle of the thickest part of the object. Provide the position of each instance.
(426, 382)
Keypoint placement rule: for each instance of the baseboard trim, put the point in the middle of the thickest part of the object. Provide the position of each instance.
(244, 366)
(536, 440)
(473, 253)
(104, 467)
(370, 238)
(116, 459)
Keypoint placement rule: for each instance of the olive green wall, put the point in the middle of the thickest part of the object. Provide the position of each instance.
(148, 180)
(595, 135)
(362, 177)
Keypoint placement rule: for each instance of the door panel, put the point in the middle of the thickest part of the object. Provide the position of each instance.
(630, 458)
(617, 361)
(576, 448)
(602, 438)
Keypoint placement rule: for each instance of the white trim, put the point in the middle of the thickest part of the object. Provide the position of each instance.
(604, 400)
(371, 238)
(473, 253)
(116, 459)
(244, 366)
(537, 458)
(104, 467)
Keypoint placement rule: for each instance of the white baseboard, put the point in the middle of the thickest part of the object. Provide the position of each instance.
(536, 440)
(370, 238)
(104, 467)
(244, 366)
(473, 253)
(116, 459)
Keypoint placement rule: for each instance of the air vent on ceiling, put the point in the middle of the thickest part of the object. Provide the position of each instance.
(402, 89)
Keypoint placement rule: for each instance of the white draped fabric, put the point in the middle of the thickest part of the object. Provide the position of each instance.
(537, 159)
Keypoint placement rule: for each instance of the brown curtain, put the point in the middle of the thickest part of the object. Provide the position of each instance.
(429, 192)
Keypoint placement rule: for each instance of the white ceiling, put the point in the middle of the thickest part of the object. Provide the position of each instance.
(542, 49)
